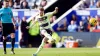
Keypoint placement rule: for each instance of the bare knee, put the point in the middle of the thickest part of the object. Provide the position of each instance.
(45, 39)
(4, 38)
(12, 35)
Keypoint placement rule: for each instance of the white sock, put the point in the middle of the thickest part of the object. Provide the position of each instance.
(40, 47)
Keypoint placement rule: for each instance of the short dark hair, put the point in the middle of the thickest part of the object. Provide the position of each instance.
(6, 0)
(41, 9)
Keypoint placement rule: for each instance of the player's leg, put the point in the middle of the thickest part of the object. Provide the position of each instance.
(45, 39)
(4, 44)
(42, 45)
(46, 33)
(12, 42)
(12, 34)
(4, 35)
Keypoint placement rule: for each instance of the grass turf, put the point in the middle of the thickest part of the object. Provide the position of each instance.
(55, 52)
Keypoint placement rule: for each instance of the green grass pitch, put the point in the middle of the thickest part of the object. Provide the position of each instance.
(55, 52)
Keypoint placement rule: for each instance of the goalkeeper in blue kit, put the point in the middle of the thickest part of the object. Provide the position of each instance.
(45, 28)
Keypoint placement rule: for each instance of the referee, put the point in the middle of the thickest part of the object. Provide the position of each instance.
(8, 25)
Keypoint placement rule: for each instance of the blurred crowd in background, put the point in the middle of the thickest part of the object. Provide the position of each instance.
(83, 25)
(25, 4)
(80, 26)
(90, 4)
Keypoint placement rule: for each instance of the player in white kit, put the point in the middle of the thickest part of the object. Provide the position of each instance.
(45, 27)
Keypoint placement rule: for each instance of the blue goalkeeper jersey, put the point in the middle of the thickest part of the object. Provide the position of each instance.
(6, 15)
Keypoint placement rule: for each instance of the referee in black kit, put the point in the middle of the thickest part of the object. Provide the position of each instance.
(8, 25)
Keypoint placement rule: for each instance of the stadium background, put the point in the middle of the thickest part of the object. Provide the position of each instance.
(90, 39)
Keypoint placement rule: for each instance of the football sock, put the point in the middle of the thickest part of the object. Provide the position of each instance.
(4, 44)
(40, 47)
(13, 43)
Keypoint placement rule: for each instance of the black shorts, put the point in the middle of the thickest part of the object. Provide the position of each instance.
(7, 28)
(48, 31)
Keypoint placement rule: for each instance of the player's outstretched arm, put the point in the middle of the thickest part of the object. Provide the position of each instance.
(50, 14)
(56, 10)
